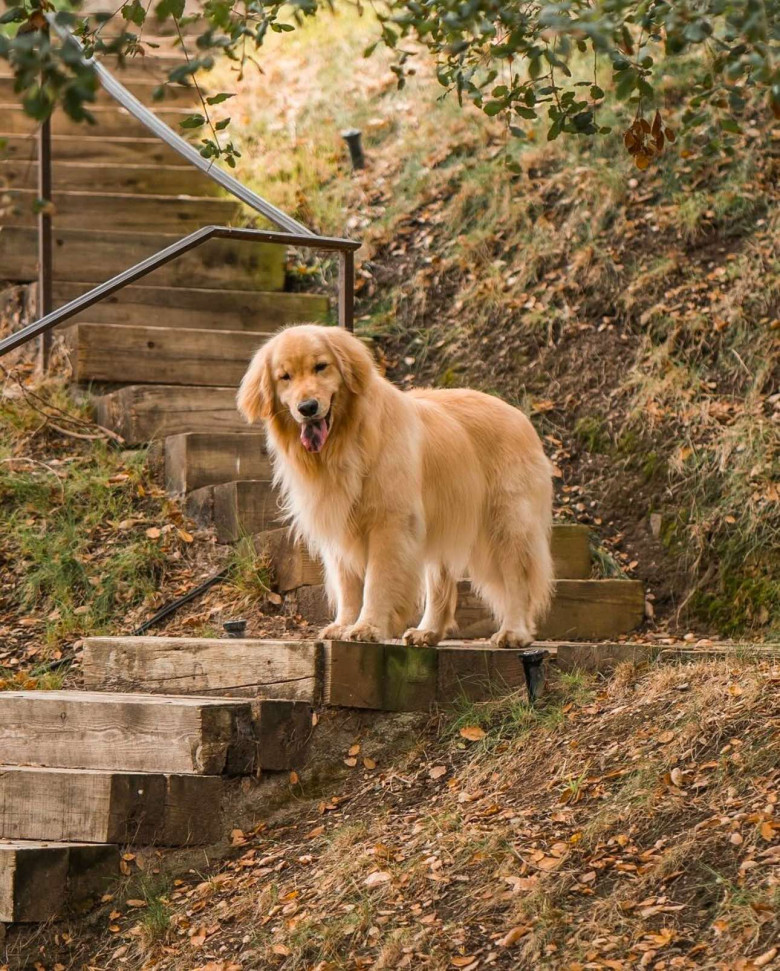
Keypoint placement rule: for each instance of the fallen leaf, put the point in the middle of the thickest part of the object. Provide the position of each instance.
(294, 778)
(354, 750)
(350, 762)
(513, 936)
(135, 903)
(463, 962)
(437, 771)
(369, 763)
(153, 532)
(317, 831)
(763, 959)
(473, 733)
(377, 877)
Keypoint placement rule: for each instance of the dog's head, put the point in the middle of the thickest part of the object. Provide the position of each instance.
(307, 375)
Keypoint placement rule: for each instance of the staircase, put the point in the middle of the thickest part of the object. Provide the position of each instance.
(141, 755)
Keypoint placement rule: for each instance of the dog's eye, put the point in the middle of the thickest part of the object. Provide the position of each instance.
(284, 377)
(320, 366)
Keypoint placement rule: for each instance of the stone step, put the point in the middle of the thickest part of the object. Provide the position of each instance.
(41, 881)
(152, 733)
(83, 255)
(236, 509)
(194, 460)
(99, 806)
(387, 676)
(580, 610)
(292, 566)
(174, 214)
(95, 151)
(111, 121)
(130, 354)
(175, 95)
(195, 308)
(165, 180)
(151, 412)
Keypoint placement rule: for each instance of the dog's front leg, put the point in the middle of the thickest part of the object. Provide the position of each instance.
(345, 590)
(392, 584)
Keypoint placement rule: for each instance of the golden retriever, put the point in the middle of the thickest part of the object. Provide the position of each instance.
(392, 487)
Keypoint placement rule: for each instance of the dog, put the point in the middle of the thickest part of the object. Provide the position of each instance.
(397, 491)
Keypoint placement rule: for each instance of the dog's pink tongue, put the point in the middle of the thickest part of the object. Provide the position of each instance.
(314, 434)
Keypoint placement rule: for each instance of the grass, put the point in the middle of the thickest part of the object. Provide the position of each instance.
(249, 570)
(75, 520)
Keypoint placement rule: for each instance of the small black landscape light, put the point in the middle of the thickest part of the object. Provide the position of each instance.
(235, 628)
(352, 137)
(533, 666)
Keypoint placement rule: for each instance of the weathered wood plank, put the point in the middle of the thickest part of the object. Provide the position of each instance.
(166, 180)
(159, 355)
(126, 732)
(175, 95)
(92, 257)
(394, 677)
(144, 413)
(195, 460)
(603, 656)
(123, 211)
(236, 509)
(41, 881)
(99, 806)
(112, 121)
(293, 566)
(74, 148)
(253, 311)
(235, 667)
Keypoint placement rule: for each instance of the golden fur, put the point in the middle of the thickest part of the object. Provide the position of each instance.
(408, 489)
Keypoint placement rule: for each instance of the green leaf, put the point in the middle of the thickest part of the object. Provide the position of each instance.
(222, 125)
(493, 108)
(134, 12)
(596, 93)
(217, 99)
(192, 121)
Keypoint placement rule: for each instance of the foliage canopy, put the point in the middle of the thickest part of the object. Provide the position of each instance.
(528, 62)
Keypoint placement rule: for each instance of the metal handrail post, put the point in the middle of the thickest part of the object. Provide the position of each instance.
(347, 289)
(45, 269)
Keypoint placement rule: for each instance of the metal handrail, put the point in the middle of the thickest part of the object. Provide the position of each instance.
(294, 234)
(171, 138)
(183, 245)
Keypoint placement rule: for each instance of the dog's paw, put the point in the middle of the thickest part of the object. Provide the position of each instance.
(420, 637)
(333, 632)
(512, 638)
(361, 632)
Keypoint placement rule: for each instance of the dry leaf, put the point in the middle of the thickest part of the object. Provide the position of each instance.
(153, 532)
(317, 831)
(377, 877)
(513, 936)
(463, 962)
(473, 733)
(437, 771)
(294, 778)
(350, 762)
(369, 763)
(355, 750)
(677, 778)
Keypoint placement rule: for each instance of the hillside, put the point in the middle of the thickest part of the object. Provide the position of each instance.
(620, 825)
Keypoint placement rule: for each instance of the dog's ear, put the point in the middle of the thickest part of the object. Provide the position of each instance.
(353, 358)
(255, 398)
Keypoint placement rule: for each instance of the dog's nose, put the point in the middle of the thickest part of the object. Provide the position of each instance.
(309, 407)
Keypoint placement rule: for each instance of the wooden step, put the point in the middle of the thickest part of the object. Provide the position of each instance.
(177, 215)
(581, 610)
(165, 180)
(293, 567)
(333, 673)
(175, 95)
(235, 667)
(117, 353)
(387, 676)
(97, 806)
(41, 881)
(111, 121)
(95, 151)
(194, 460)
(149, 412)
(236, 509)
(137, 733)
(92, 257)
(195, 308)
